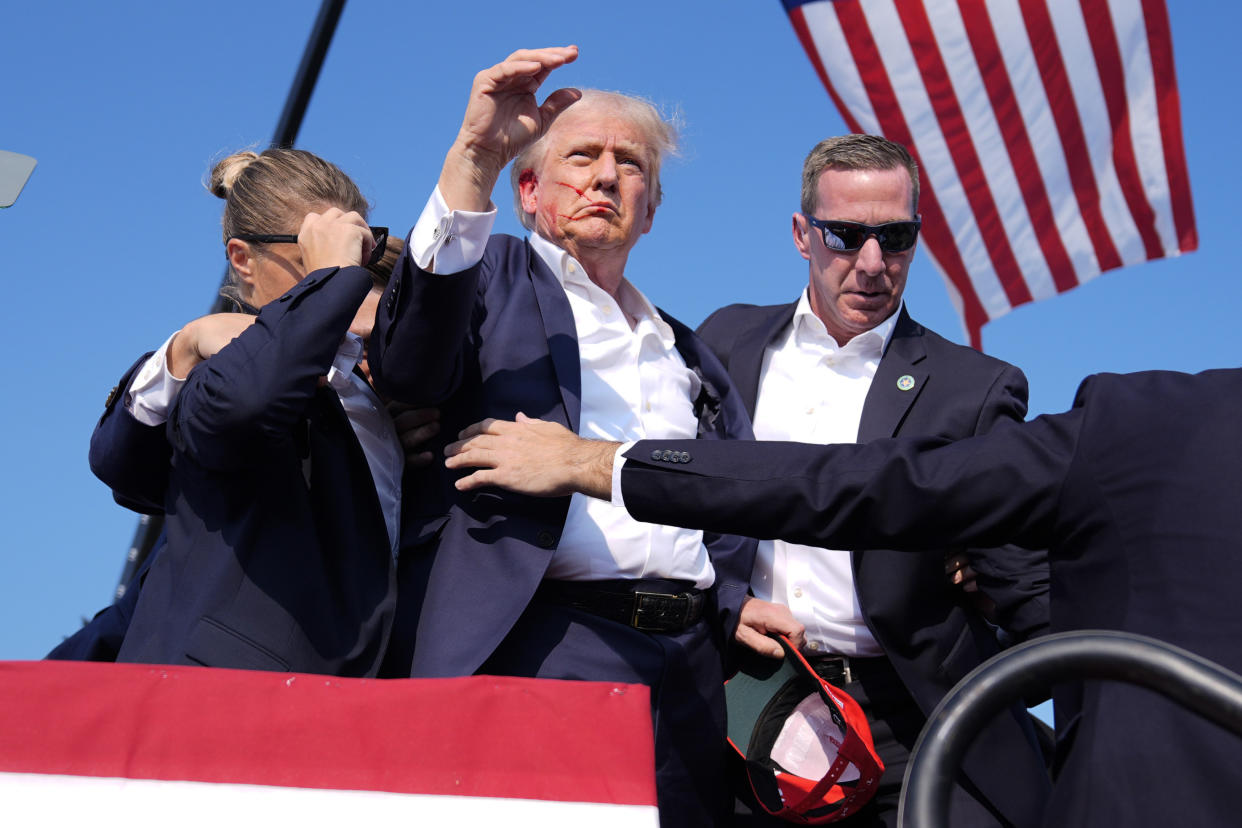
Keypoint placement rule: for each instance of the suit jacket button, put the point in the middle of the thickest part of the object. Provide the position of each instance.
(685, 457)
(666, 455)
(546, 539)
(655, 454)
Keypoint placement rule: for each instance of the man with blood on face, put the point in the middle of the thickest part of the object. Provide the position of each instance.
(550, 326)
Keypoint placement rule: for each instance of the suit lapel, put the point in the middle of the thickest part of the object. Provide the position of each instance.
(746, 357)
(562, 335)
(321, 437)
(899, 381)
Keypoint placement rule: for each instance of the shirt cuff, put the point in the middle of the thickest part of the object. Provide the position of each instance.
(348, 355)
(153, 389)
(448, 241)
(618, 462)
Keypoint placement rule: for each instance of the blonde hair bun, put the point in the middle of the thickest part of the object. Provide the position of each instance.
(226, 171)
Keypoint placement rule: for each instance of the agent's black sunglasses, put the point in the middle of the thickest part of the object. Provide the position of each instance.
(848, 236)
(380, 234)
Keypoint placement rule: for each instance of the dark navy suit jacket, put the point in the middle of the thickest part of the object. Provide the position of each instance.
(277, 557)
(491, 341)
(928, 633)
(131, 458)
(1134, 492)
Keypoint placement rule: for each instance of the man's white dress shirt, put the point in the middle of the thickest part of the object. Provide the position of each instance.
(812, 390)
(635, 385)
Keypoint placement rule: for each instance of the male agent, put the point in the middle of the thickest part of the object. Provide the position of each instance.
(845, 363)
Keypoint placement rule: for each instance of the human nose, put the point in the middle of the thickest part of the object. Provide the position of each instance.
(870, 259)
(605, 171)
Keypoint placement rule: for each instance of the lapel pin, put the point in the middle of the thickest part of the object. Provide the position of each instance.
(905, 382)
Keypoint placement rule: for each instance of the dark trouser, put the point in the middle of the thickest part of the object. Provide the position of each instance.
(895, 720)
(683, 671)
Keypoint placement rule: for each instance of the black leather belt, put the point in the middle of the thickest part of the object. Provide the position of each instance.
(839, 670)
(645, 604)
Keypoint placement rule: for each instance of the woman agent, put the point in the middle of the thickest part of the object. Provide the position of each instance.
(283, 492)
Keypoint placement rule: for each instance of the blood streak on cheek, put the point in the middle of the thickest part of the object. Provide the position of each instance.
(581, 194)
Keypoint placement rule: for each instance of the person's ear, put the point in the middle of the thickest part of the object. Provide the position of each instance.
(802, 235)
(241, 259)
(528, 182)
(650, 218)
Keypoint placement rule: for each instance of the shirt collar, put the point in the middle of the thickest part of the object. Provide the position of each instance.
(807, 327)
(569, 270)
(565, 267)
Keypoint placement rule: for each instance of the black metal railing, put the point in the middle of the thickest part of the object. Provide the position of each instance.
(1191, 681)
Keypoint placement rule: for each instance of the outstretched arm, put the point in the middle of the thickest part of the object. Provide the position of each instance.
(901, 494)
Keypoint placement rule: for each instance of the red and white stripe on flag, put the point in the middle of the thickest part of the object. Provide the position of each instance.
(1048, 132)
(134, 745)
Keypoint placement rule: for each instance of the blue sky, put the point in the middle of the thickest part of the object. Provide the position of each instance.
(115, 244)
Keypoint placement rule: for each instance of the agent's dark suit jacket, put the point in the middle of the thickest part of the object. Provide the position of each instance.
(930, 636)
(491, 341)
(277, 557)
(1135, 494)
(131, 458)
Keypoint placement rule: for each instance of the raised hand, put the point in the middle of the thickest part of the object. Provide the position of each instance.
(502, 118)
(334, 238)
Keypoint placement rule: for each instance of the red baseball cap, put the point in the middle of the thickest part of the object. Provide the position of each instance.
(801, 749)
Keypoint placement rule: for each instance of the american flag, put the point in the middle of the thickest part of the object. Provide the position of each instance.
(1048, 133)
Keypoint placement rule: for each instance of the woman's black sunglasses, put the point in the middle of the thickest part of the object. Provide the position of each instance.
(848, 236)
(380, 234)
